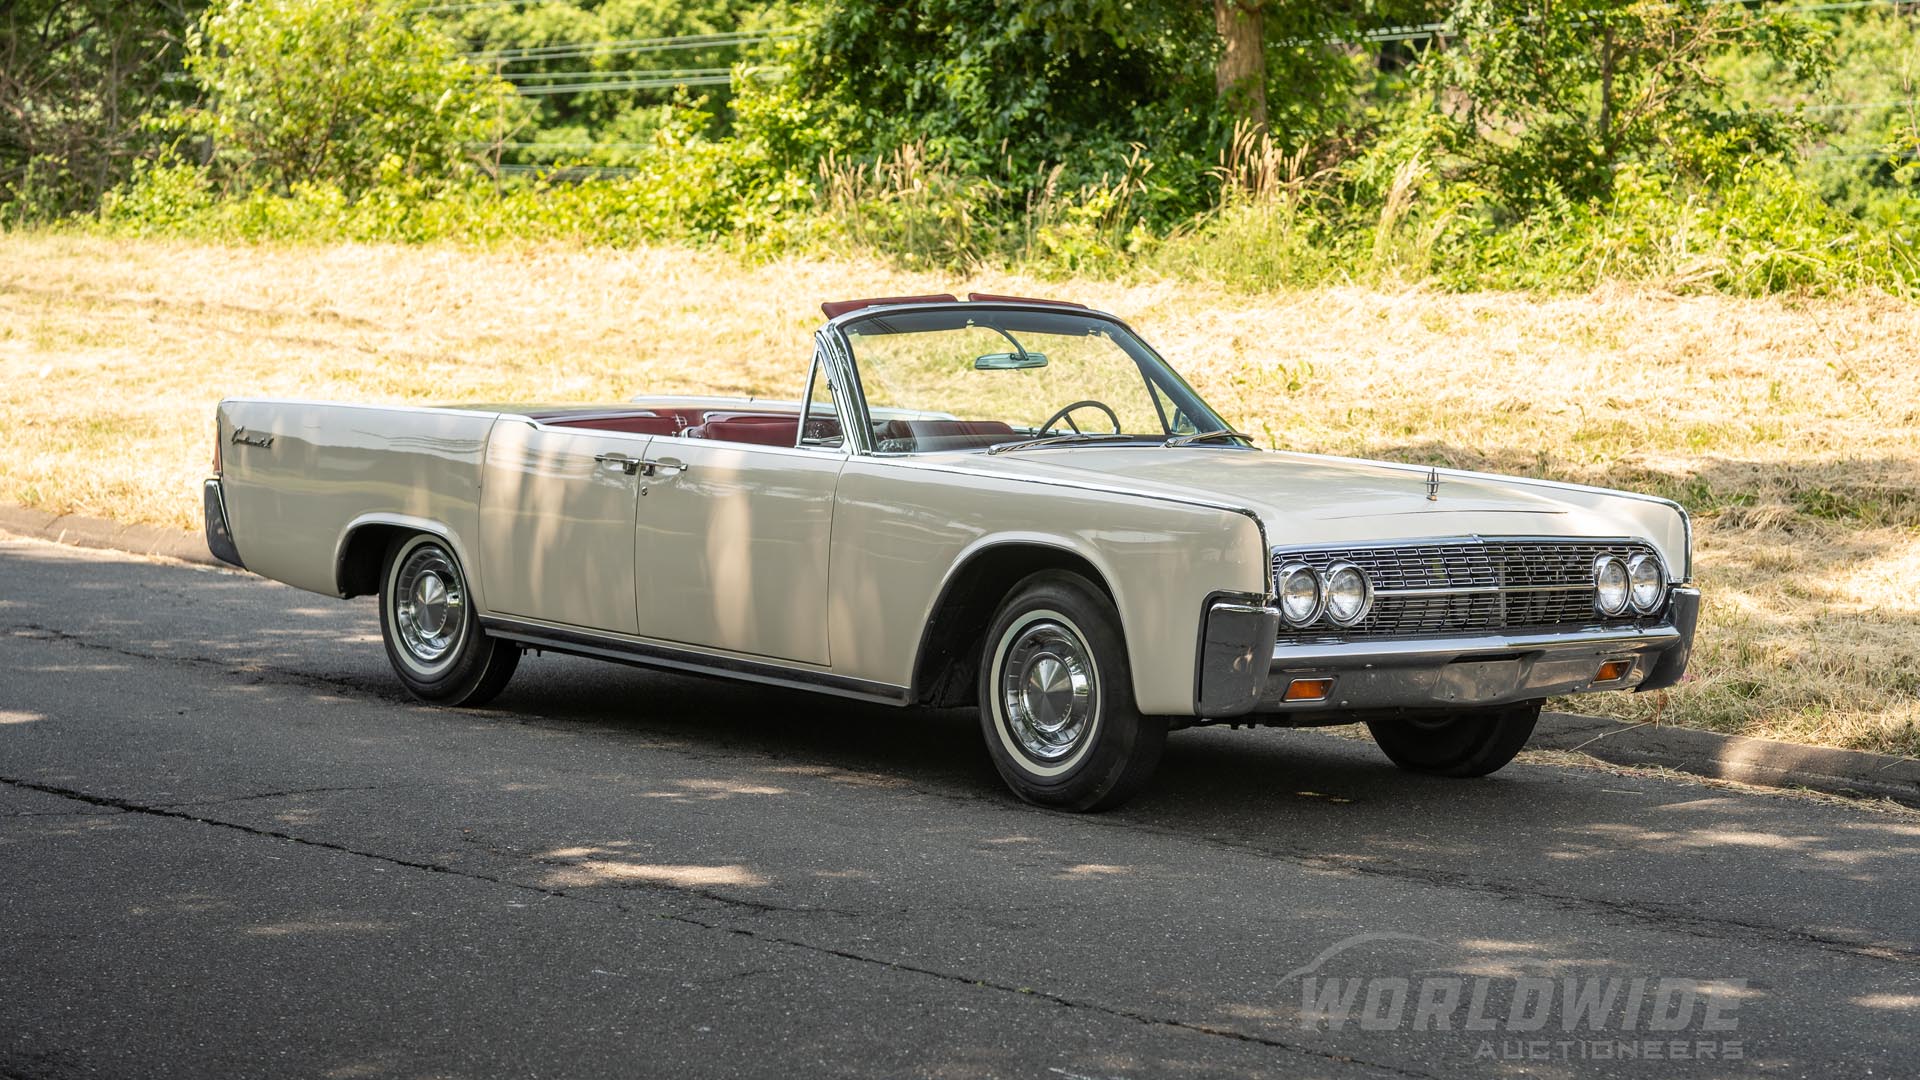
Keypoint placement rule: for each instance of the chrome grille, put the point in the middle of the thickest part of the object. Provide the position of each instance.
(1491, 585)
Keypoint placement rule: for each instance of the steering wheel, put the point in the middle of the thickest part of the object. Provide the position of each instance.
(1065, 414)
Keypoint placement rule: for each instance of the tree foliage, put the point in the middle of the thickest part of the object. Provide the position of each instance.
(75, 75)
(1545, 98)
(344, 92)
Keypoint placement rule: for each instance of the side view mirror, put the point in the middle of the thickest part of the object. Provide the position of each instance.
(1009, 361)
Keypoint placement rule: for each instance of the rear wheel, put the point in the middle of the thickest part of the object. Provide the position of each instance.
(1056, 698)
(433, 635)
(1464, 743)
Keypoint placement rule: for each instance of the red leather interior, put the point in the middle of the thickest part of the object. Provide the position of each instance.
(763, 428)
(637, 425)
(777, 429)
(943, 434)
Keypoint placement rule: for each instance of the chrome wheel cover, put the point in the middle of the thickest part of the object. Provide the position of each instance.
(1047, 691)
(427, 608)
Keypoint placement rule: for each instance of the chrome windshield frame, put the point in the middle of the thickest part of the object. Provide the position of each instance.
(835, 342)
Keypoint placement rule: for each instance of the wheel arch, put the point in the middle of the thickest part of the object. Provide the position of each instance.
(946, 665)
(360, 554)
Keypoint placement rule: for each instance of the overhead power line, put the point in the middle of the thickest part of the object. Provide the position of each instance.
(1445, 28)
(632, 84)
(630, 46)
(626, 73)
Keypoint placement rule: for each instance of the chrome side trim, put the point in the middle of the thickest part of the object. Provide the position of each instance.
(588, 643)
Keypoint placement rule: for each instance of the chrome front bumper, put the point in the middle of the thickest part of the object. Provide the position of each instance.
(1243, 670)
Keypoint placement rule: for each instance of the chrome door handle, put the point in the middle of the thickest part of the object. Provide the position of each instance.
(624, 463)
(658, 466)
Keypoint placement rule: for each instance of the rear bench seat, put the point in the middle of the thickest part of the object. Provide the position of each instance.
(778, 429)
(635, 424)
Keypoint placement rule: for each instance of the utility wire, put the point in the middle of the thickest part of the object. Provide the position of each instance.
(1424, 31)
(634, 84)
(630, 46)
(627, 73)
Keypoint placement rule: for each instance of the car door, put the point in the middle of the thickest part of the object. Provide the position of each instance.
(733, 529)
(556, 524)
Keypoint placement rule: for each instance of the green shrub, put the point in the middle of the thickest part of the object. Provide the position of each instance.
(343, 92)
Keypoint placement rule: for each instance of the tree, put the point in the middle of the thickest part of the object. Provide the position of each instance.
(1541, 97)
(1013, 90)
(74, 74)
(1240, 77)
(342, 91)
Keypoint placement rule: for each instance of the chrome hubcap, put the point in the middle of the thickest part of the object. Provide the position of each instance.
(1048, 691)
(429, 605)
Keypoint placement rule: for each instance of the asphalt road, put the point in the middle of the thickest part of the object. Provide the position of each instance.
(229, 847)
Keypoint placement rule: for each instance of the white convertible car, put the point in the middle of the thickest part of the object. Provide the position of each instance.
(1003, 503)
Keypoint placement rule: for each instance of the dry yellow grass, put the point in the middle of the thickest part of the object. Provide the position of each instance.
(1791, 426)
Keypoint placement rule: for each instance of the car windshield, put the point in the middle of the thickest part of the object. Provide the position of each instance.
(974, 378)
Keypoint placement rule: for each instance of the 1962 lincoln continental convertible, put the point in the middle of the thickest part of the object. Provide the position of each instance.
(1002, 503)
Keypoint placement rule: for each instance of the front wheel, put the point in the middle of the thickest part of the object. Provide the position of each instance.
(1056, 698)
(1465, 743)
(433, 635)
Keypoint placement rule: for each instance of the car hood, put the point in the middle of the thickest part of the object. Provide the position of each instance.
(1308, 498)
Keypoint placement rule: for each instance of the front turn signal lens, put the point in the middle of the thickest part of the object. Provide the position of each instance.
(1309, 689)
(1613, 671)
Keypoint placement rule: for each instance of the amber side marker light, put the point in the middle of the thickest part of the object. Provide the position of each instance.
(1613, 671)
(1309, 689)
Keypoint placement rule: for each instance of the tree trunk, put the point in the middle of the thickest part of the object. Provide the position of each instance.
(1241, 77)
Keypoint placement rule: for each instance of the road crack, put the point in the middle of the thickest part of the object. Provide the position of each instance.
(688, 918)
(1656, 916)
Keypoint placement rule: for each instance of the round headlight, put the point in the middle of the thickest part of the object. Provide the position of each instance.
(1302, 596)
(1349, 594)
(1647, 583)
(1610, 580)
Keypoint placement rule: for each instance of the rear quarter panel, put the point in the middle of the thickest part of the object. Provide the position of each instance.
(331, 466)
(901, 528)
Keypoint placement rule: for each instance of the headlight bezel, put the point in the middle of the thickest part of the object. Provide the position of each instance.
(1659, 584)
(1362, 610)
(1602, 565)
(1287, 573)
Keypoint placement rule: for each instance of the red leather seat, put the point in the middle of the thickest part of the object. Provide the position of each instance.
(641, 424)
(905, 435)
(765, 429)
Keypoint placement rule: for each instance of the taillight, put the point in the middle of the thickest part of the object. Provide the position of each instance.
(216, 446)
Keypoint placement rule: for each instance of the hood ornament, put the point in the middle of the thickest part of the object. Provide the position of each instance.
(1433, 483)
